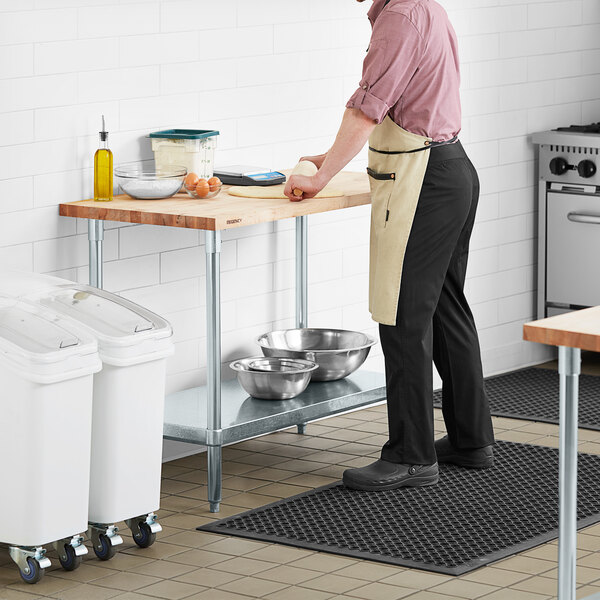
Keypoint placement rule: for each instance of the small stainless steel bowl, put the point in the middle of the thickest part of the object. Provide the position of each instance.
(337, 352)
(273, 378)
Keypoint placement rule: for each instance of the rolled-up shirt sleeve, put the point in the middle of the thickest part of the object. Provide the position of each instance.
(393, 58)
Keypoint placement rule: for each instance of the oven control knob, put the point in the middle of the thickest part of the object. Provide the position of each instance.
(558, 166)
(586, 168)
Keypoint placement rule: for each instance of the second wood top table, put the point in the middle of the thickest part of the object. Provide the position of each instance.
(196, 415)
(571, 332)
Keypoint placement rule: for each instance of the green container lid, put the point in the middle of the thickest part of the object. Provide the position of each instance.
(184, 134)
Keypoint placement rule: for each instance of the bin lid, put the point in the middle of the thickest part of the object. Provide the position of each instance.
(41, 344)
(124, 330)
(116, 322)
(184, 134)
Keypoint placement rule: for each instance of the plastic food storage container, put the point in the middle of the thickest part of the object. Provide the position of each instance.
(128, 405)
(193, 149)
(47, 365)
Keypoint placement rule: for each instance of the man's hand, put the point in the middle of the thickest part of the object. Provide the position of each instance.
(310, 186)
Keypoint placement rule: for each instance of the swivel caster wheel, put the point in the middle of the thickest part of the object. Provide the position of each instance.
(104, 549)
(144, 537)
(33, 572)
(69, 561)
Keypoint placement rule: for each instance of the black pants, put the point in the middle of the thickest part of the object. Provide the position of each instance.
(434, 321)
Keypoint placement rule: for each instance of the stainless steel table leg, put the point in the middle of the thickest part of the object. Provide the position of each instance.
(213, 367)
(569, 367)
(302, 280)
(96, 242)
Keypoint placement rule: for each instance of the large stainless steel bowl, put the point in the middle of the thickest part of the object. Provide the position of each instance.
(273, 378)
(337, 352)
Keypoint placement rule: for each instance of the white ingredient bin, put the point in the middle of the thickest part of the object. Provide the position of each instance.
(193, 149)
(128, 406)
(47, 366)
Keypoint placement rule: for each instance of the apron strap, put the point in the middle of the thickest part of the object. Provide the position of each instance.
(427, 147)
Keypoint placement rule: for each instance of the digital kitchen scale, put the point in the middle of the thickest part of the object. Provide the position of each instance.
(245, 175)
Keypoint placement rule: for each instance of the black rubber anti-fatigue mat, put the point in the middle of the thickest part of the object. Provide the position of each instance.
(470, 519)
(532, 395)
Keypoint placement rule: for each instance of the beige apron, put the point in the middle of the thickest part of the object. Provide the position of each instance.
(397, 164)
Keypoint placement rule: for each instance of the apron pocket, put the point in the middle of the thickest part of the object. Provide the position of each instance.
(382, 185)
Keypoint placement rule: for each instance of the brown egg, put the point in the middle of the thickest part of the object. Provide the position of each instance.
(191, 181)
(214, 184)
(202, 188)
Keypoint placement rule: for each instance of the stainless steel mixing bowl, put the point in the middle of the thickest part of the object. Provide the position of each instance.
(337, 352)
(273, 378)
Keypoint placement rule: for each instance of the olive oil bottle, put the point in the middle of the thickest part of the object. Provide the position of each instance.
(103, 169)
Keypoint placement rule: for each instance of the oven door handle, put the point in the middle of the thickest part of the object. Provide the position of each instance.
(578, 217)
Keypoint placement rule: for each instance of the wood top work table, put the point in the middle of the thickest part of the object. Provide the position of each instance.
(571, 332)
(198, 415)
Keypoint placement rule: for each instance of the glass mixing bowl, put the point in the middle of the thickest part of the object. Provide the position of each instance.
(143, 181)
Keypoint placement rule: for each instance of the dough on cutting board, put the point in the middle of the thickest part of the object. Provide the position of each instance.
(275, 192)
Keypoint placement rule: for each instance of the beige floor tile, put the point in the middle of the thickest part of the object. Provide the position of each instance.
(498, 577)
(280, 554)
(233, 469)
(171, 590)
(332, 583)
(310, 480)
(591, 560)
(289, 574)
(198, 558)
(163, 569)
(380, 591)
(296, 593)
(234, 546)
(191, 538)
(537, 585)
(282, 490)
(332, 471)
(247, 500)
(207, 577)
(51, 584)
(142, 555)
(181, 521)
(242, 566)
(85, 591)
(522, 437)
(587, 590)
(243, 484)
(585, 575)
(369, 571)
(588, 542)
(464, 589)
(512, 594)
(254, 587)
(90, 570)
(417, 580)
(128, 582)
(426, 595)
(325, 563)
(524, 564)
(179, 503)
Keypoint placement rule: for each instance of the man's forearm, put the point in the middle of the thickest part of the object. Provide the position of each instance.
(353, 134)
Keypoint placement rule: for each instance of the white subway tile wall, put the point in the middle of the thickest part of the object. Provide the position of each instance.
(273, 77)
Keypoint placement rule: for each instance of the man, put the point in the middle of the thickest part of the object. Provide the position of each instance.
(424, 197)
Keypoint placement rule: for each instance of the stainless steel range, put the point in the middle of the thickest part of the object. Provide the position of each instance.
(569, 219)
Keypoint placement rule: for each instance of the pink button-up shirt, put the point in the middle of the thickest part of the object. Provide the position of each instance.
(411, 71)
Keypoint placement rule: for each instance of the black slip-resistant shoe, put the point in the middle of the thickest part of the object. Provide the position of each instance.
(478, 458)
(383, 475)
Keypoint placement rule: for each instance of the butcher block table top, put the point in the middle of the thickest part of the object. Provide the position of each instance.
(579, 329)
(222, 212)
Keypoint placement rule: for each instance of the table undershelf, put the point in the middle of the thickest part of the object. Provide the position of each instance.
(243, 417)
